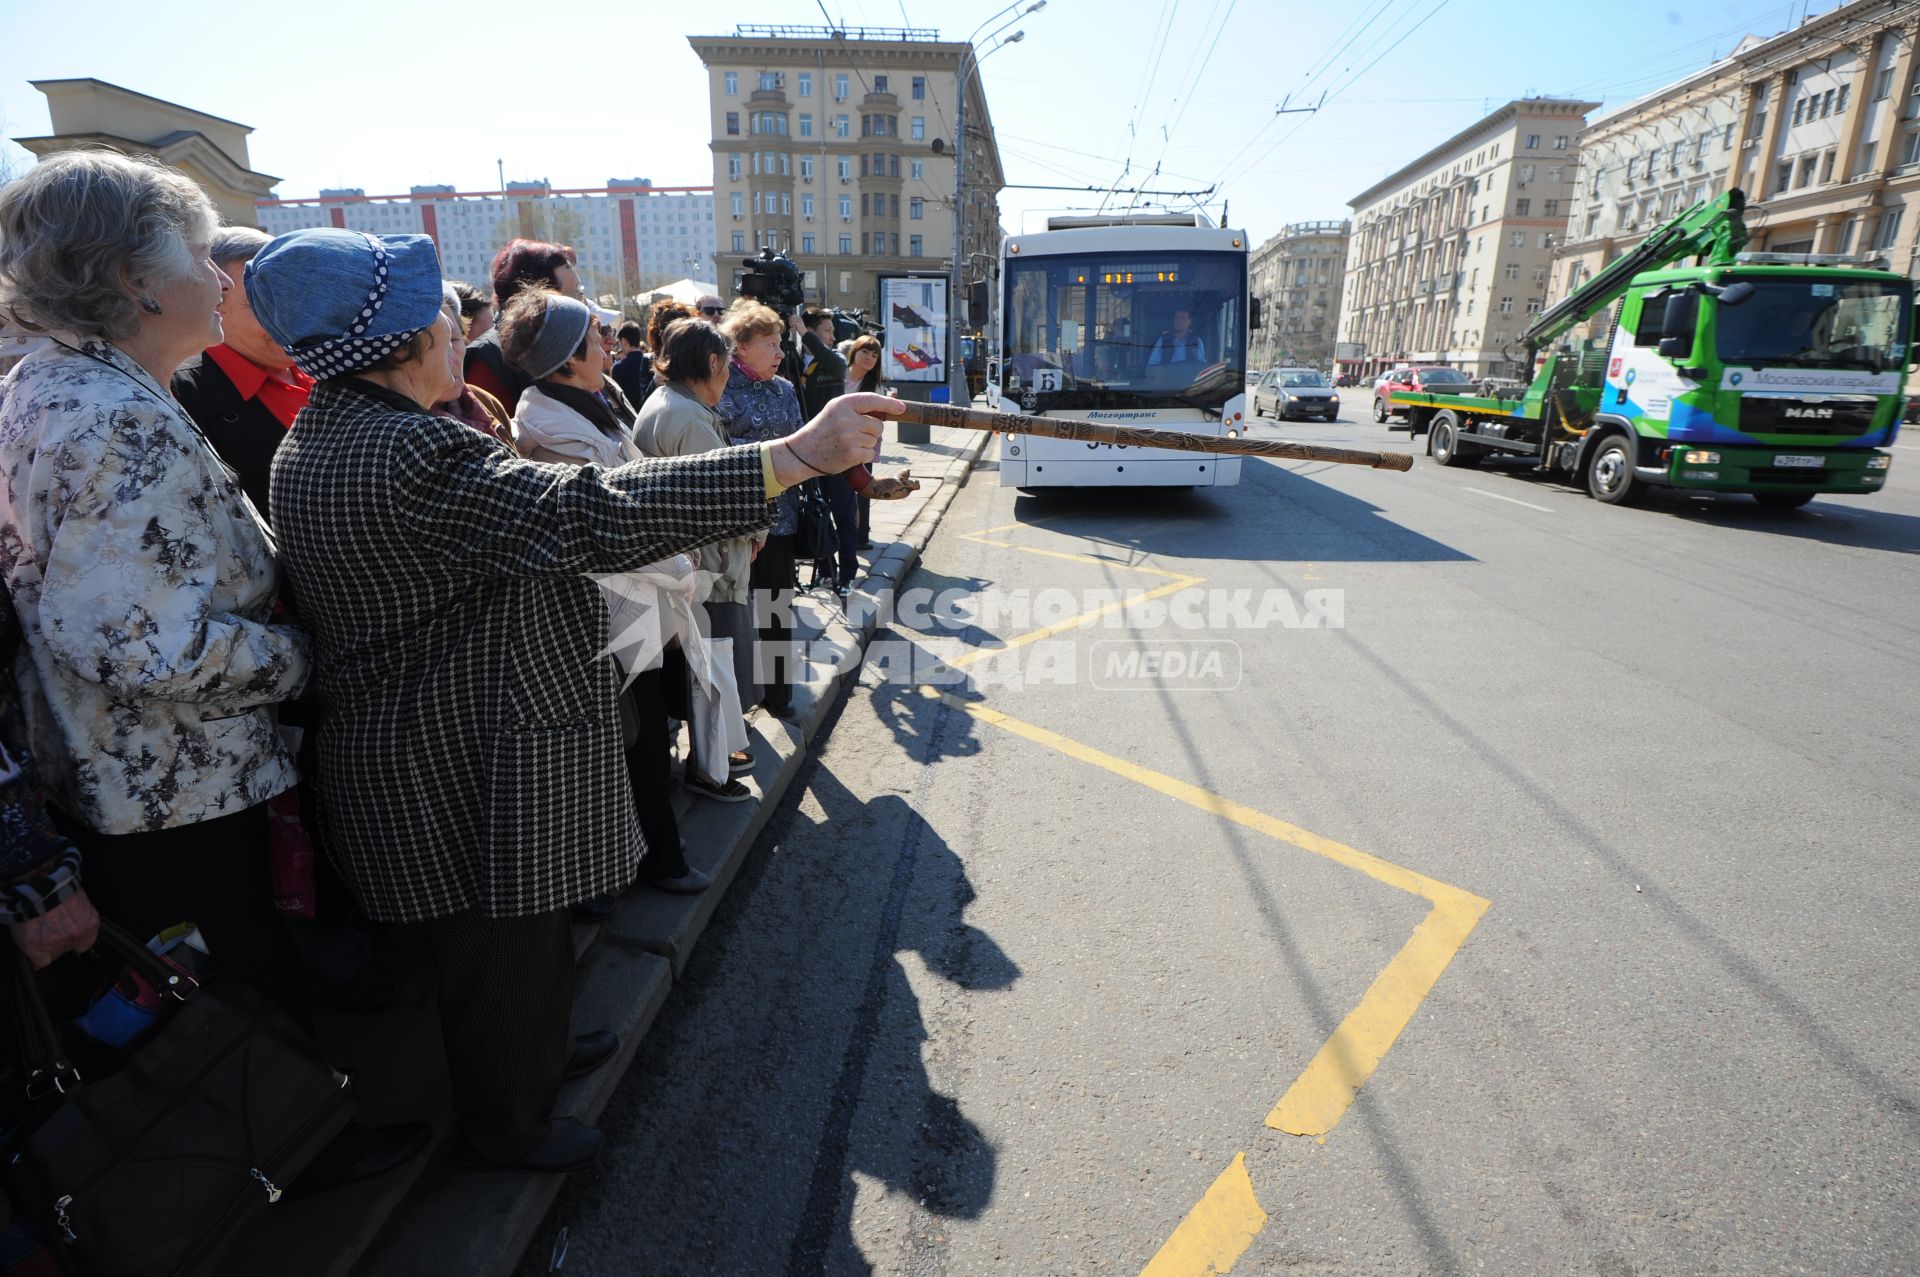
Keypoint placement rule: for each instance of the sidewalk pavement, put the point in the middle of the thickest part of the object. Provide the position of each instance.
(436, 1214)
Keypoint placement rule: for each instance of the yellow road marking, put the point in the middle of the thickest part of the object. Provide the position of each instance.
(1220, 1227)
(1180, 581)
(1323, 1092)
(1216, 1232)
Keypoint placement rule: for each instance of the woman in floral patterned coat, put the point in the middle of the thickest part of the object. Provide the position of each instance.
(142, 577)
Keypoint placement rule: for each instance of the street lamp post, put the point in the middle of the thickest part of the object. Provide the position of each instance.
(970, 66)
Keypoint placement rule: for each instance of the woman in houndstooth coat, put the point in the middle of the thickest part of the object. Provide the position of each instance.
(472, 783)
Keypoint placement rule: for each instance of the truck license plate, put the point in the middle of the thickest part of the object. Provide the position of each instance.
(1799, 463)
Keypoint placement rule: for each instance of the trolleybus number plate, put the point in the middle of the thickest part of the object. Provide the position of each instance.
(1802, 463)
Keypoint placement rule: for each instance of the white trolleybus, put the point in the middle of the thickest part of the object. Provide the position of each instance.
(1137, 320)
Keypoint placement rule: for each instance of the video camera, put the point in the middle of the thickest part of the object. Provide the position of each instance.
(773, 280)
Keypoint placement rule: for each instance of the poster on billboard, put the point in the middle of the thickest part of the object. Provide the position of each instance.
(913, 309)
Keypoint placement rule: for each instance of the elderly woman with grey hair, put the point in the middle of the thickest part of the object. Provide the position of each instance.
(244, 392)
(142, 577)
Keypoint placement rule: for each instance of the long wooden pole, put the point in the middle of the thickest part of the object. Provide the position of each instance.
(1013, 423)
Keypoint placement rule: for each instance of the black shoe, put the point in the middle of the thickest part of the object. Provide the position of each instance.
(362, 1152)
(598, 909)
(690, 883)
(588, 1052)
(570, 1145)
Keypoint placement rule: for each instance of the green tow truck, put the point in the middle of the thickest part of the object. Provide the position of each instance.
(1775, 374)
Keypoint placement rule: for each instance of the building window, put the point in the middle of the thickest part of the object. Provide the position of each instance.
(1539, 274)
(846, 247)
(1910, 148)
(806, 168)
(1782, 176)
(1846, 236)
(1532, 142)
(736, 203)
(1840, 103)
(756, 203)
(806, 205)
(1866, 158)
(733, 168)
(1533, 307)
(1512, 270)
(918, 168)
(1552, 209)
(771, 80)
(919, 87)
(863, 243)
(739, 241)
(919, 128)
(1889, 229)
(1799, 111)
(845, 166)
(843, 126)
(916, 208)
(733, 83)
(733, 123)
(806, 242)
(846, 208)
(1546, 239)
(1506, 305)
(1519, 239)
(913, 246)
(806, 124)
(1525, 173)
(1726, 138)
(863, 205)
(1593, 222)
(1523, 208)
(1826, 104)
(880, 84)
(806, 84)
(840, 87)
(786, 204)
(1826, 166)
(1883, 84)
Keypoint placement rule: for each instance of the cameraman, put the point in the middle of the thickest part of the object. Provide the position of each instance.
(824, 372)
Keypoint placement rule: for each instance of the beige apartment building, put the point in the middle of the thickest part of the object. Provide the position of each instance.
(1449, 255)
(208, 149)
(836, 146)
(1819, 126)
(1298, 275)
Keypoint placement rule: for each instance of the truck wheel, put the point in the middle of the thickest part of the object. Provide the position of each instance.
(1379, 410)
(1610, 473)
(1443, 439)
(1782, 500)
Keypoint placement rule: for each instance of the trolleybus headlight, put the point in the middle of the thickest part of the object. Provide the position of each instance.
(1880, 463)
(1702, 458)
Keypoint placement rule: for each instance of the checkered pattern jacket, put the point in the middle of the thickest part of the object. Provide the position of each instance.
(470, 746)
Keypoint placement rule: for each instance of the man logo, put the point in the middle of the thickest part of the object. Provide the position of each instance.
(1808, 413)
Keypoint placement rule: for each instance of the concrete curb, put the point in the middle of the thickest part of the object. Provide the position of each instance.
(438, 1216)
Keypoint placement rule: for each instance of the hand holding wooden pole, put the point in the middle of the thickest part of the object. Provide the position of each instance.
(1013, 423)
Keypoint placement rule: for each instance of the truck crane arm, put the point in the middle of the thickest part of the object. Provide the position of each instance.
(1715, 229)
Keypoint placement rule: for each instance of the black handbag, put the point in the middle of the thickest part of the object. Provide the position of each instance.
(156, 1163)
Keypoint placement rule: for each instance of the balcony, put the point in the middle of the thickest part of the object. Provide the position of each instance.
(881, 101)
(768, 98)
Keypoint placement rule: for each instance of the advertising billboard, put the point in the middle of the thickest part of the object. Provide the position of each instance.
(913, 310)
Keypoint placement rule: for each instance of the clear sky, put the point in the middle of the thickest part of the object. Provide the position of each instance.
(1177, 95)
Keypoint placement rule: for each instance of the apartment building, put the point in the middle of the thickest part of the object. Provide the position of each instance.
(1818, 125)
(628, 235)
(835, 145)
(1298, 276)
(1449, 256)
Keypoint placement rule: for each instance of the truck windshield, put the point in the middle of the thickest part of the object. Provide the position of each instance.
(1126, 330)
(1817, 323)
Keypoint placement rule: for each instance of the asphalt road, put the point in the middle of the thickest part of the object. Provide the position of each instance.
(1001, 996)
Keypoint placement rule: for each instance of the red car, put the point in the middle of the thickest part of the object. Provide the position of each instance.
(1446, 381)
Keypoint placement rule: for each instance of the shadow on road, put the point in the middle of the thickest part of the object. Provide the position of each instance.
(1275, 513)
(885, 1119)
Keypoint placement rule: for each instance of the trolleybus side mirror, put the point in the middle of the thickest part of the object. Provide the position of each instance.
(1734, 294)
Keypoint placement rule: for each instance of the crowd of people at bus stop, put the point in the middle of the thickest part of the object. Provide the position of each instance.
(302, 540)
